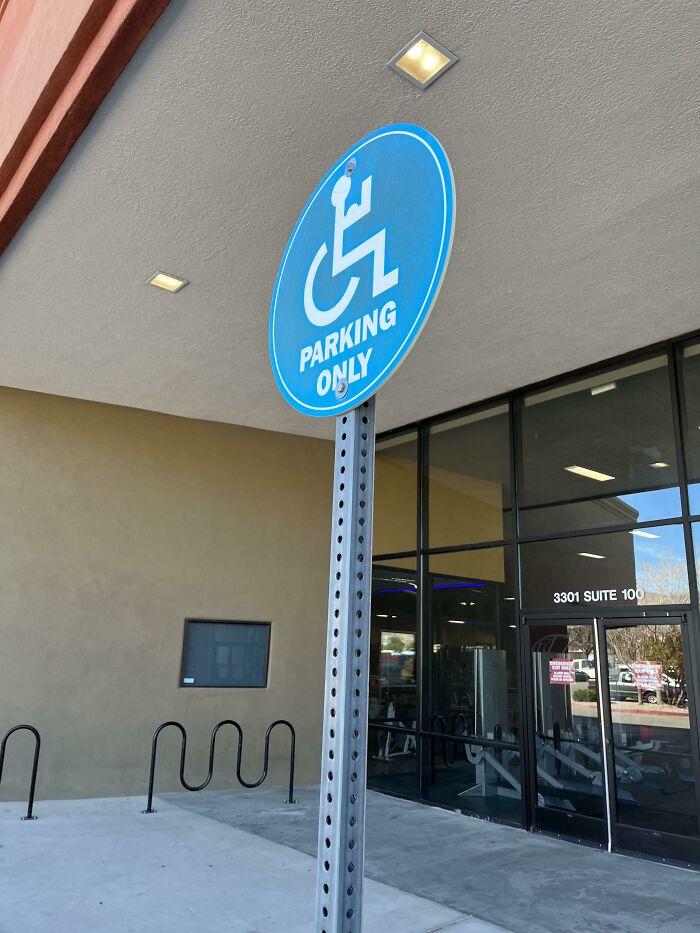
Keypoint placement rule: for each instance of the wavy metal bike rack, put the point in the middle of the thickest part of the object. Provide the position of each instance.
(212, 748)
(445, 737)
(35, 765)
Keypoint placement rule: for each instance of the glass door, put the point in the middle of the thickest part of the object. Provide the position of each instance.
(651, 737)
(568, 763)
(614, 750)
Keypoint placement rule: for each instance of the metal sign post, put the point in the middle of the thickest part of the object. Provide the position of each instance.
(356, 284)
(344, 755)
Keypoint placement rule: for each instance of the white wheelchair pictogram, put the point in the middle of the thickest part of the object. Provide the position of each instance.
(376, 245)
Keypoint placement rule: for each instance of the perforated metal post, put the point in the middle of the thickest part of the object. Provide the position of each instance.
(344, 762)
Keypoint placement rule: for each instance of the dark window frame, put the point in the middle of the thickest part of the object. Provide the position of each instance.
(189, 620)
(672, 349)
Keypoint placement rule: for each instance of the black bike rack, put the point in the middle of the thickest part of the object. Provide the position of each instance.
(212, 747)
(445, 737)
(35, 765)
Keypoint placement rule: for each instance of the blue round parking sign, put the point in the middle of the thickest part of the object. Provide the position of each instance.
(362, 270)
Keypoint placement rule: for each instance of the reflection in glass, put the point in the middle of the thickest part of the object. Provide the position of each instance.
(391, 762)
(696, 548)
(599, 452)
(475, 779)
(567, 733)
(473, 669)
(393, 644)
(469, 475)
(690, 375)
(652, 749)
(641, 567)
(395, 494)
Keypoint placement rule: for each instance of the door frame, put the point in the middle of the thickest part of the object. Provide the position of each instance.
(615, 836)
(586, 829)
(625, 838)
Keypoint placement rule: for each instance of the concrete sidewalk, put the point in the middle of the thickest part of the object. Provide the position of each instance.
(526, 882)
(101, 866)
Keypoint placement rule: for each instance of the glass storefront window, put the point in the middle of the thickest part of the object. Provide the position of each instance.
(469, 475)
(599, 452)
(600, 537)
(393, 644)
(640, 567)
(696, 548)
(690, 374)
(473, 679)
(396, 494)
(391, 762)
(479, 780)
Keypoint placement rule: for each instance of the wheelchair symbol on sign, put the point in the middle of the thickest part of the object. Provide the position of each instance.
(376, 245)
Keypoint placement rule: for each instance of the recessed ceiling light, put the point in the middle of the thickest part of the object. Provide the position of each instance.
(659, 465)
(510, 598)
(457, 621)
(593, 556)
(608, 387)
(512, 626)
(171, 283)
(423, 60)
(642, 534)
(590, 474)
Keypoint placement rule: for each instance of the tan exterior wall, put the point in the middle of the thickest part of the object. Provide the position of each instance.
(116, 525)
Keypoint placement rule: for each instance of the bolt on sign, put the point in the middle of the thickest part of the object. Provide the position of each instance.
(356, 284)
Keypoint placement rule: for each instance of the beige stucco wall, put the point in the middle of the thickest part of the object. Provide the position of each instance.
(116, 525)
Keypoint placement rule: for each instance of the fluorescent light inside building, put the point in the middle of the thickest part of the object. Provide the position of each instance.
(659, 465)
(590, 474)
(170, 283)
(608, 387)
(592, 556)
(423, 60)
(457, 621)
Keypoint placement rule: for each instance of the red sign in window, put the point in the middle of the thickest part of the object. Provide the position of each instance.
(561, 671)
(646, 673)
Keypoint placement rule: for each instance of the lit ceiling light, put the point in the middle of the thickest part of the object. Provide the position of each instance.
(590, 474)
(509, 598)
(422, 61)
(512, 626)
(642, 534)
(171, 283)
(608, 387)
(382, 615)
(659, 465)
(593, 556)
(457, 621)
(463, 604)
